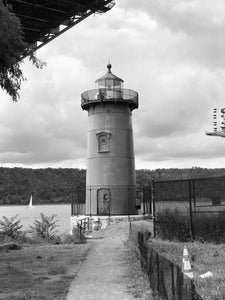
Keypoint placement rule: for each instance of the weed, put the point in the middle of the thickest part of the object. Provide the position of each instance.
(46, 228)
(10, 227)
(210, 228)
(173, 225)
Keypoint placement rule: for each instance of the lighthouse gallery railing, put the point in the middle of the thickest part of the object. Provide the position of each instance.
(107, 95)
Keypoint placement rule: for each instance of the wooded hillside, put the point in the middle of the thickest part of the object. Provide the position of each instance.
(56, 185)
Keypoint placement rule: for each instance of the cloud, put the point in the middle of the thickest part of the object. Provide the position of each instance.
(170, 52)
(47, 123)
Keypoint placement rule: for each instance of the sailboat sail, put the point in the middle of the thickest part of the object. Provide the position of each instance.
(31, 201)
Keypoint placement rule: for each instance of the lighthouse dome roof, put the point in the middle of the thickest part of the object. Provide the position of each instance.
(109, 76)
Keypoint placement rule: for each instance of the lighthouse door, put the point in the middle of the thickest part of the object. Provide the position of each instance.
(103, 201)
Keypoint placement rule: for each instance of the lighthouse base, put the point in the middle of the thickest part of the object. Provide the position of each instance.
(101, 222)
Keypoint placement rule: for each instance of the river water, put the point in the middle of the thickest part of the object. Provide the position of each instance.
(29, 215)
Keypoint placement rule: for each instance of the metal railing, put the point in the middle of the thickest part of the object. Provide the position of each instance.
(120, 200)
(105, 95)
(83, 225)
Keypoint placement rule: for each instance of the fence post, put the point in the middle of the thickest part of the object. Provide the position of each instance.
(110, 193)
(90, 200)
(72, 204)
(179, 283)
(144, 200)
(150, 199)
(128, 199)
(153, 209)
(76, 199)
(173, 284)
(190, 210)
(194, 196)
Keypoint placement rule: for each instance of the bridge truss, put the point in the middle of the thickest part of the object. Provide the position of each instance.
(44, 20)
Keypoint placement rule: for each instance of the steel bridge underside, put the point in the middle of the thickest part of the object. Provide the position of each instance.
(44, 20)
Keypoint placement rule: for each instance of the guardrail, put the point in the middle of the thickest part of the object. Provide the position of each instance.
(105, 95)
(83, 225)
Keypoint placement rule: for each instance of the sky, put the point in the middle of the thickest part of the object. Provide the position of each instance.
(172, 52)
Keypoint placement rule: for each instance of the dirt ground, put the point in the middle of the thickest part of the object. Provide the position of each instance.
(111, 270)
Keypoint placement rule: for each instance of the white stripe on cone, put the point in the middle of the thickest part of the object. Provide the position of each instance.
(186, 265)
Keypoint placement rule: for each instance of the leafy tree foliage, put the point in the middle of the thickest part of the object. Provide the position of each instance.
(47, 185)
(58, 185)
(12, 46)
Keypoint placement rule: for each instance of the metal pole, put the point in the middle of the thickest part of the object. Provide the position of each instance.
(128, 196)
(190, 210)
(144, 200)
(90, 200)
(72, 204)
(153, 209)
(194, 196)
(109, 200)
(76, 199)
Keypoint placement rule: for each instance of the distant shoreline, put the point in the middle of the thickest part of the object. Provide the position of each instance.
(38, 204)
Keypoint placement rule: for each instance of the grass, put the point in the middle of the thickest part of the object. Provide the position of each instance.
(40, 271)
(174, 225)
(137, 284)
(204, 257)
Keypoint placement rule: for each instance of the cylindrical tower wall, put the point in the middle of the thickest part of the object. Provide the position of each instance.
(110, 159)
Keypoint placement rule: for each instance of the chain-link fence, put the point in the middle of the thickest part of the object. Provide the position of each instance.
(188, 199)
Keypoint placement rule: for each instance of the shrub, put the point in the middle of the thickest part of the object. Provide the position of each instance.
(210, 227)
(10, 227)
(173, 225)
(46, 228)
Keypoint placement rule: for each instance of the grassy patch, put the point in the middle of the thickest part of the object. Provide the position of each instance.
(40, 271)
(173, 225)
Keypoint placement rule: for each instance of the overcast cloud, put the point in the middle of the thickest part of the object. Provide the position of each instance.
(172, 52)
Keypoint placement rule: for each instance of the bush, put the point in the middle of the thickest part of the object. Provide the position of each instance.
(210, 227)
(173, 225)
(10, 227)
(46, 228)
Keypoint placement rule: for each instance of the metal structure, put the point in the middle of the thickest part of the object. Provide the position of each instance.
(143, 199)
(191, 198)
(43, 21)
(110, 167)
(218, 123)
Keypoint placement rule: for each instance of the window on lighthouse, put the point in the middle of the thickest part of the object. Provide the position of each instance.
(103, 141)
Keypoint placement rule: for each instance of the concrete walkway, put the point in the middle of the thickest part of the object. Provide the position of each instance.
(103, 275)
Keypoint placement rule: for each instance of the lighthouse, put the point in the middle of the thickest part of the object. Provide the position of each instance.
(110, 178)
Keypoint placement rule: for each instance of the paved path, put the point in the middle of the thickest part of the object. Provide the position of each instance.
(103, 275)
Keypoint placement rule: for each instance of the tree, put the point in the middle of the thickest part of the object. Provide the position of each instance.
(12, 47)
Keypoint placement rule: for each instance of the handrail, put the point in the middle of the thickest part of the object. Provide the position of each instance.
(83, 225)
(105, 95)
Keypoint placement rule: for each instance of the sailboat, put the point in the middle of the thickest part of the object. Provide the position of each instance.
(31, 202)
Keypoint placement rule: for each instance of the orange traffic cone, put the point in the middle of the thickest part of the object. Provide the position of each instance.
(186, 265)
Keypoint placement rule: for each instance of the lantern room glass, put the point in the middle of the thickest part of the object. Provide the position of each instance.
(110, 84)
